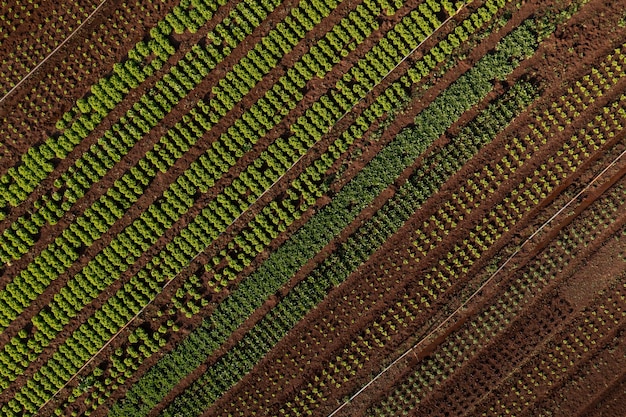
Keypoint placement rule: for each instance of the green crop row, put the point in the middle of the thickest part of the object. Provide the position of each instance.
(78, 122)
(45, 320)
(122, 136)
(283, 263)
(333, 271)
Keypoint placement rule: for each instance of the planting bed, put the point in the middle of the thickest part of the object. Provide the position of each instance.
(303, 207)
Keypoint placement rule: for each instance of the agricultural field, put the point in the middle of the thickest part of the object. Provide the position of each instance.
(313, 208)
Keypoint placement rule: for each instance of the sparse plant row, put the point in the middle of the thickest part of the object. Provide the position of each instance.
(458, 261)
(78, 122)
(467, 343)
(480, 245)
(594, 327)
(257, 279)
(574, 151)
(31, 50)
(351, 254)
(14, 14)
(591, 367)
(458, 352)
(70, 72)
(188, 301)
(369, 58)
(603, 370)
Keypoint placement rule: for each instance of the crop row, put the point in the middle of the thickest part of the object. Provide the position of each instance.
(467, 343)
(14, 14)
(127, 190)
(249, 181)
(68, 76)
(179, 264)
(233, 145)
(283, 261)
(179, 198)
(250, 248)
(100, 158)
(244, 250)
(219, 213)
(117, 141)
(601, 369)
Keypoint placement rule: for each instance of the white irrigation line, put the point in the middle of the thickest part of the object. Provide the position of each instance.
(54, 51)
(238, 217)
(475, 293)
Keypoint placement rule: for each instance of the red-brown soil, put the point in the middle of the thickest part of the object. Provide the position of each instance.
(162, 302)
(289, 341)
(357, 318)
